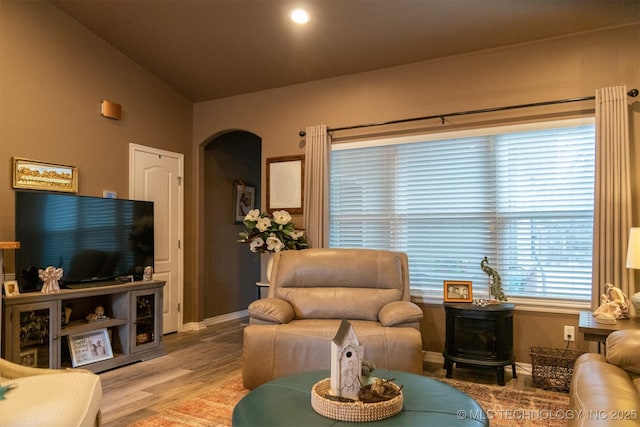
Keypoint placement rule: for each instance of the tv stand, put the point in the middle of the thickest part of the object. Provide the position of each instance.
(38, 328)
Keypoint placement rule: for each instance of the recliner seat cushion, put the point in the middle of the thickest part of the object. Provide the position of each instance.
(305, 345)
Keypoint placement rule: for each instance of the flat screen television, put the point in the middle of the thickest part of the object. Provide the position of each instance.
(96, 241)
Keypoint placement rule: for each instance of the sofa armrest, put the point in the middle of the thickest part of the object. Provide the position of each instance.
(272, 310)
(399, 313)
(622, 349)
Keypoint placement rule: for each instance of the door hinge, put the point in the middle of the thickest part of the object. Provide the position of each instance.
(178, 307)
(179, 180)
(179, 244)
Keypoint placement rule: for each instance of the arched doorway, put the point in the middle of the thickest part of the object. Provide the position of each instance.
(230, 269)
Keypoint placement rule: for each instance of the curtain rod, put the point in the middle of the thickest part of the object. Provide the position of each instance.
(633, 93)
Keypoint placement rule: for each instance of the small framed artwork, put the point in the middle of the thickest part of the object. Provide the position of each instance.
(36, 175)
(90, 347)
(29, 358)
(244, 196)
(11, 288)
(285, 184)
(457, 291)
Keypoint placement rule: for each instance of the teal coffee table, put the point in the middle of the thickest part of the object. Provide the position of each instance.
(286, 401)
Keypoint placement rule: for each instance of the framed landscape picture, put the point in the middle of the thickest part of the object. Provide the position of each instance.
(90, 347)
(36, 175)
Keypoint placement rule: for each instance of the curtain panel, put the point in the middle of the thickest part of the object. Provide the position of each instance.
(316, 186)
(612, 193)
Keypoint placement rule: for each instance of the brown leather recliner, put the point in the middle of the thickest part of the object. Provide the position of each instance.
(605, 390)
(311, 291)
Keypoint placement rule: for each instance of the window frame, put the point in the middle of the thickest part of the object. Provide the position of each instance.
(530, 304)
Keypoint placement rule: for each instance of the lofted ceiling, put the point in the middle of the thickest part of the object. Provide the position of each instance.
(209, 49)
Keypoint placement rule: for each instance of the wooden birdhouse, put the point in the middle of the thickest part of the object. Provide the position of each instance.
(346, 362)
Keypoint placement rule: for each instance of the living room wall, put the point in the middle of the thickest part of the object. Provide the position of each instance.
(552, 69)
(54, 74)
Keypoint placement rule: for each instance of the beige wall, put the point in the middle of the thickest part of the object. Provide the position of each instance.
(553, 69)
(53, 76)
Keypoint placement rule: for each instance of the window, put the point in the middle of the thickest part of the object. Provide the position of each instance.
(520, 195)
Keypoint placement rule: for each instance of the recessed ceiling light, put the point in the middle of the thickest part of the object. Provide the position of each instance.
(299, 16)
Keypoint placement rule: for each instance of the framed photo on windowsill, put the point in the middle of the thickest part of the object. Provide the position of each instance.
(457, 291)
(90, 347)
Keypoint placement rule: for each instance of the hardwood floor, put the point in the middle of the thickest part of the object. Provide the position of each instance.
(195, 362)
(198, 361)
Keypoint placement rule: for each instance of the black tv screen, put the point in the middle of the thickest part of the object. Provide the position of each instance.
(94, 240)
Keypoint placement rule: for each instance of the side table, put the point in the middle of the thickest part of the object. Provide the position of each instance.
(479, 336)
(594, 331)
(259, 287)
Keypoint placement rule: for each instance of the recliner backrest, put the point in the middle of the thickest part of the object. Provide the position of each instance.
(339, 283)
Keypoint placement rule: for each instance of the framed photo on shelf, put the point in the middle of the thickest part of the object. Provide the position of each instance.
(90, 347)
(11, 288)
(457, 291)
(285, 184)
(36, 175)
(244, 196)
(29, 358)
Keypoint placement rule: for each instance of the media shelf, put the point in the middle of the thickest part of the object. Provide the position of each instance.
(37, 328)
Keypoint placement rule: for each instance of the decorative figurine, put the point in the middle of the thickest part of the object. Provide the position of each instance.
(50, 277)
(614, 304)
(66, 316)
(148, 273)
(495, 288)
(97, 315)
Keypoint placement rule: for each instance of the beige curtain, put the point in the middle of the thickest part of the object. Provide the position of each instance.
(612, 209)
(316, 186)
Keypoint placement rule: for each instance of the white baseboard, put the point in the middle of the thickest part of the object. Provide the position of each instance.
(433, 357)
(196, 326)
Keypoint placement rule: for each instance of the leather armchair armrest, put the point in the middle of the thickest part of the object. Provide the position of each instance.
(622, 349)
(399, 312)
(274, 310)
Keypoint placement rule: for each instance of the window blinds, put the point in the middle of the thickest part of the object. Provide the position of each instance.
(522, 196)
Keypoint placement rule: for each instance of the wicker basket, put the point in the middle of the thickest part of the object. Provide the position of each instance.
(352, 411)
(552, 368)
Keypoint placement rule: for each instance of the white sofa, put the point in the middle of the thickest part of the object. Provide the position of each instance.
(49, 397)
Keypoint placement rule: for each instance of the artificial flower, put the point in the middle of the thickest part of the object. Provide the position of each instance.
(272, 234)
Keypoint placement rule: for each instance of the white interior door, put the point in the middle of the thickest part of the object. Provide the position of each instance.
(156, 175)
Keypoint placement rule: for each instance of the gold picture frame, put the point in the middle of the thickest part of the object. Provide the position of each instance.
(458, 291)
(37, 175)
(11, 288)
(285, 184)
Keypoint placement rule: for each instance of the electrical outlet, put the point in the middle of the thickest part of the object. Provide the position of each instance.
(569, 333)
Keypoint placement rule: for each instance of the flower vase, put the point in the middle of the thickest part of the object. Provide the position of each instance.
(269, 266)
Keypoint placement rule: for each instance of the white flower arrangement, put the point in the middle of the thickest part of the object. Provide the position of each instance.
(273, 233)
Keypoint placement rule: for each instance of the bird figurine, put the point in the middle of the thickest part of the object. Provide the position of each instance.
(496, 282)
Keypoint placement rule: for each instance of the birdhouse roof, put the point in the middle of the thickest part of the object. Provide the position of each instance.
(343, 331)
